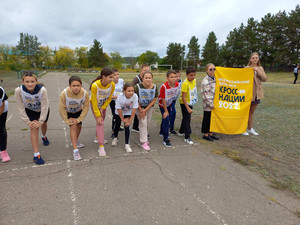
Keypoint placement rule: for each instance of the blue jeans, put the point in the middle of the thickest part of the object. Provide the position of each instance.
(172, 115)
(165, 123)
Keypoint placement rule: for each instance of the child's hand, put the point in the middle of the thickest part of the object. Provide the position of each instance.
(99, 120)
(101, 112)
(142, 114)
(127, 122)
(166, 113)
(189, 110)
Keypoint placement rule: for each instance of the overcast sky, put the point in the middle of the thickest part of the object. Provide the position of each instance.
(130, 27)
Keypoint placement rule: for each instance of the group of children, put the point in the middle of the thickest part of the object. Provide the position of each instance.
(126, 100)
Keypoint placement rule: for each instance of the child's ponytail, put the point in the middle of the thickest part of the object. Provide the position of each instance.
(104, 72)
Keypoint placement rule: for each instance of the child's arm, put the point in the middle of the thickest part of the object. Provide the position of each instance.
(166, 113)
(185, 102)
(2, 108)
(128, 121)
(94, 101)
(21, 107)
(62, 107)
(44, 107)
(85, 108)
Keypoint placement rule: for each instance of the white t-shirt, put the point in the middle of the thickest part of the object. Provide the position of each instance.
(118, 88)
(126, 104)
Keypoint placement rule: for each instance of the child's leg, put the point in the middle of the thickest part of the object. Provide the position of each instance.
(165, 124)
(34, 133)
(172, 115)
(112, 105)
(3, 133)
(117, 126)
(143, 129)
(185, 127)
(149, 118)
(100, 130)
(127, 132)
(74, 135)
(206, 123)
(44, 128)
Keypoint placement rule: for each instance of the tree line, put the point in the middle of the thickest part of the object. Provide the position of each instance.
(276, 37)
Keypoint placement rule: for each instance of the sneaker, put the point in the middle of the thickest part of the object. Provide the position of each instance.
(45, 141)
(167, 143)
(38, 160)
(4, 156)
(76, 156)
(96, 141)
(148, 136)
(180, 134)
(160, 134)
(121, 129)
(79, 145)
(173, 132)
(127, 148)
(253, 132)
(208, 138)
(188, 141)
(245, 134)
(137, 130)
(145, 146)
(114, 142)
(101, 151)
(214, 137)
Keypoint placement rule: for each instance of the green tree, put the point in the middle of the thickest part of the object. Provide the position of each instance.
(210, 50)
(193, 56)
(175, 55)
(293, 35)
(96, 56)
(64, 57)
(28, 46)
(82, 56)
(116, 60)
(44, 57)
(148, 57)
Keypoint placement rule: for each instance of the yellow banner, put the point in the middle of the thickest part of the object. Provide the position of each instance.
(233, 96)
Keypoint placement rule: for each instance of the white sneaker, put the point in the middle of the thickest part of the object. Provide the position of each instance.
(101, 151)
(253, 132)
(76, 156)
(96, 141)
(188, 141)
(114, 142)
(127, 148)
(246, 133)
(79, 145)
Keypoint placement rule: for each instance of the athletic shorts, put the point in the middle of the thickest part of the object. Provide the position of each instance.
(33, 115)
(74, 115)
(255, 102)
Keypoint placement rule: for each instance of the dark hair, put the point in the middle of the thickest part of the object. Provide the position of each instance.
(142, 75)
(144, 65)
(104, 72)
(127, 85)
(190, 69)
(171, 72)
(31, 74)
(74, 78)
(114, 70)
(177, 71)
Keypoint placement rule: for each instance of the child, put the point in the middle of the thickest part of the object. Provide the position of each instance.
(102, 88)
(173, 111)
(119, 84)
(32, 101)
(167, 95)
(188, 99)
(126, 105)
(208, 86)
(73, 107)
(147, 94)
(3, 134)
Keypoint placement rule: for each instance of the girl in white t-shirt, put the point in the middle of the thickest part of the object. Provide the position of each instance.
(126, 105)
(119, 84)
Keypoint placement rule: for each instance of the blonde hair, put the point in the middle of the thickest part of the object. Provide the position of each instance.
(252, 54)
(208, 65)
(31, 74)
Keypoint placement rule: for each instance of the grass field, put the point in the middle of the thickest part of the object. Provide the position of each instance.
(275, 153)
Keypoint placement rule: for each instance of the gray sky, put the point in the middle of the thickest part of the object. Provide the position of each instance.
(127, 26)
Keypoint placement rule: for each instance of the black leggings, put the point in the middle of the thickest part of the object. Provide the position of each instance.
(296, 77)
(3, 133)
(112, 105)
(117, 128)
(185, 127)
